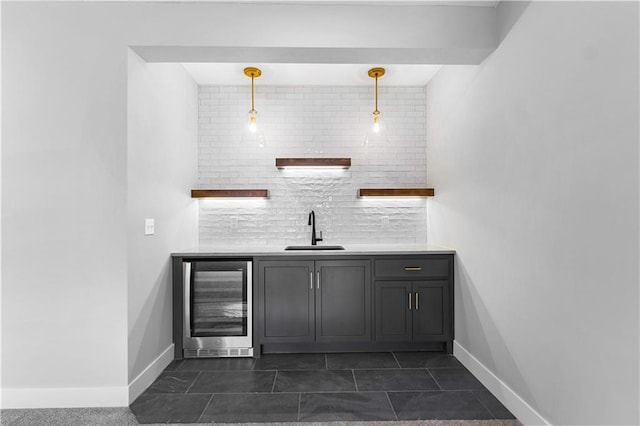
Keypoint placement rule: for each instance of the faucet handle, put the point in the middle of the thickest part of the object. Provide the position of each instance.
(319, 239)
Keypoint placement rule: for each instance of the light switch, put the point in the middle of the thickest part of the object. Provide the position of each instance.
(149, 227)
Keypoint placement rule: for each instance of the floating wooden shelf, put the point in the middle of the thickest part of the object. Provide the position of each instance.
(229, 193)
(395, 192)
(343, 163)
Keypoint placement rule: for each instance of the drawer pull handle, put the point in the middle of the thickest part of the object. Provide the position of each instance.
(311, 280)
(413, 268)
(409, 294)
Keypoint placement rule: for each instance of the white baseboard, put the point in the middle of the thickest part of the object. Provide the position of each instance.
(149, 374)
(518, 406)
(115, 396)
(64, 397)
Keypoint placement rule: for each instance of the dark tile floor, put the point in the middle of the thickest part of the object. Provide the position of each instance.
(317, 388)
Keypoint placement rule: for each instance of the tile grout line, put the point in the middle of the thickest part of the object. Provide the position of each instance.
(396, 358)
(205, 409)
(391, 404)
(355, 382)
(326, 362)
(325, 391)
(299, 402)
(434, 379)
(275, 377)
(483, 404)
(193, 383)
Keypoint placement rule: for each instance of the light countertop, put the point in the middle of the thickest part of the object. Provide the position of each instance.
(349, 249)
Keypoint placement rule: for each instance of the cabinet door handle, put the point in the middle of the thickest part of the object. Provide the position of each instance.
(417, 301)
(409, 294)
(318, 282)
(413, 268)
(311, 280)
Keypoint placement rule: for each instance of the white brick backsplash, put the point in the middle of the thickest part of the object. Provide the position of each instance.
(303, 121)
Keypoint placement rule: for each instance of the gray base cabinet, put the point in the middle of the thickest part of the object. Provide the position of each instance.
(412, 311)
(414, 300)
(344, 304)
(394, 319)
(287, 301)
(431, 311)
(306, 301)
(343, 301)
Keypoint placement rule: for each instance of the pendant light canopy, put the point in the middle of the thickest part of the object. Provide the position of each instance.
(252, 132)
(377, 133)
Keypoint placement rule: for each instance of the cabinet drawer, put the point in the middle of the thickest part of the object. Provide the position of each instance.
(400, 268)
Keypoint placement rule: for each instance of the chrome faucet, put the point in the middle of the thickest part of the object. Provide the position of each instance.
(312, 222)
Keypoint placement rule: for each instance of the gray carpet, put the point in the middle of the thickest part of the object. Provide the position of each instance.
(124, 417)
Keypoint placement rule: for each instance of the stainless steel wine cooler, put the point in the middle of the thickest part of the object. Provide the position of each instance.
(217, 309)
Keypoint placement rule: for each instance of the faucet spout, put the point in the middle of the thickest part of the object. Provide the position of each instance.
(312, 222)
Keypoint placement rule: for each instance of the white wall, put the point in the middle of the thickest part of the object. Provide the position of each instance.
(312, 121)
(64, 159)
(534, 155)
(0, 209)
(64, 325)
(162, 135)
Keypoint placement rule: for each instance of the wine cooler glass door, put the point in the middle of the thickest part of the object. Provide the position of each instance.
(219, 305)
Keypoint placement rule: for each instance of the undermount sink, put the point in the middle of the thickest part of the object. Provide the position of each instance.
(314, 248)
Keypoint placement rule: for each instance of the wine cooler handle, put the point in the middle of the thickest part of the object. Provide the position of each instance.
(186, 274)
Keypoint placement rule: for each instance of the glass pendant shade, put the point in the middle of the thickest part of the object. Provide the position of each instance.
(252, 132)
(253, 116)
(377, 131)
(376, 122)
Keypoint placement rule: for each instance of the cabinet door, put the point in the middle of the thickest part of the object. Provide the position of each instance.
(393, 310)
(343, 301)
(287, 301)
(431, 310)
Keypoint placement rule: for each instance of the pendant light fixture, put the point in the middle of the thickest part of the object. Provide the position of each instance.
(377, 133)
(252, 132)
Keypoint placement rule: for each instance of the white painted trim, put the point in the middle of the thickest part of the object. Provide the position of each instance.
(518, 406)
(64, 397)
(114, 396)
(149, 374)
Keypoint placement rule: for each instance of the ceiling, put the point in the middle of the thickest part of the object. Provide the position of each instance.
(286, 74)
(280, 74)
(478, 3)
